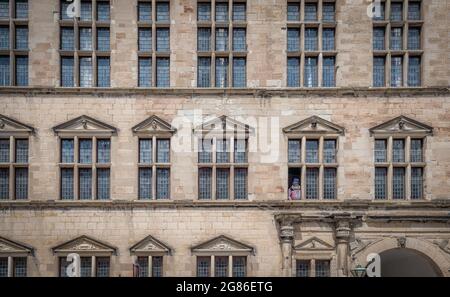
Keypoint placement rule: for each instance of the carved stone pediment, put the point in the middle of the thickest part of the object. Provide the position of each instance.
(12, 126)
(84, 125)
(7, 246)
(154, 125)
(314, 125)
(401, 124)
(222, 244)
(150, 245)
(313, 244)
(224, 125)
(84, 244)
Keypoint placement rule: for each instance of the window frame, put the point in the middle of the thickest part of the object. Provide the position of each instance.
(312, 260)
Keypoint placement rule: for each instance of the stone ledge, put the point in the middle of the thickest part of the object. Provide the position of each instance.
(252, 92)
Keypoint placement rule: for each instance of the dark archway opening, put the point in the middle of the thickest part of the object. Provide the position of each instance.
(403, 262)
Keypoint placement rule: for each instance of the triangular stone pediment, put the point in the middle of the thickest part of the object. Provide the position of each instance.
(224, 125)
(222, 244)
(10, 126)
(12, 247)
(84, 125)
(314, 125)
(84, 244)
(150, 245)
(154, 125)
(313, 244)
(402, 124)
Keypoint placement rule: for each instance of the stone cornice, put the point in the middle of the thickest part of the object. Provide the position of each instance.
(252, 92)
(277, 206)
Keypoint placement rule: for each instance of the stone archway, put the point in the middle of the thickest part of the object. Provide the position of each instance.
(404, 262)
(424, 253)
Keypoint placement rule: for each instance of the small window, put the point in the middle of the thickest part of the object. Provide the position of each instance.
(204, 11)
(144, 11)
(203, 266)
(293, 11)
(322, 268)
(103, 13)
(221, 12)
(303, 268)
(162, 12)
(239, 11)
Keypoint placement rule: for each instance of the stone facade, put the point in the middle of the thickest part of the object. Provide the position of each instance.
(279, 231)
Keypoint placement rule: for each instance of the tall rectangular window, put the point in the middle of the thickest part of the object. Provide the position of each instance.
(240, 151)
(4, 267)
(396, 71)
(396, 11)
(103, 183)
(222, 151)
(293, 72)
(380, 182)
(222, 183)
(21, 183)
(86, 11)
(162, 12)
(379, 12)
(85, 183)
(398, 183)
(379, 72)
(239, 266)
(240, 183)
(328, 12)
(145, 183)
(310, 79)
(103, 13)
(19, 266)
(378, 38)
(85, 151)
(294, 150)
(239, 40)
(144, 11)
(4, 183)
(67, 182)
(162, 72)
(239, 11)
(4, 37)
(67, 151)
(203, 266)
(310, 39)
(329, 151)
(293, 39)
(204, 72)
(414, 38)
(102, 268)
(205, 151)
(239, 72)
(329, 183)
(414, 10)
(328, 39)
(145, 39)
(293, 11)
(21, 9)
(414, 77)
(157, 266)
(380, 150)
(312, 151)
(4, 9)
(303, 268)
(416, 183)
(67, 39)
(328, 70)
(204, 39)
(398, 151)
(162, 40)
(312, 183)
(103, 72)
(310, 12)
(103, 39)
(4, 150)
(322, 268)
(21, 154)
(4, 71)
(142, 261)
(416, 152)
(145, 72)
(204, 11)
(221, 72)
(204, 183)
(163, 151)
(221, 12)
(396, 38)
(221, 39)
(162, 183)
(22, 71)
(85, 39)
(145, 151)
(103, 151)
(221, 266)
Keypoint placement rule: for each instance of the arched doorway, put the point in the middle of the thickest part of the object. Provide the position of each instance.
(406, 262)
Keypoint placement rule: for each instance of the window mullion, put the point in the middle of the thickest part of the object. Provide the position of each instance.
(213, 178)
(150, 266)
(390, 169)
(230, 266)
(10, 266)
(94, 168)
(408, 168)
(93, 266)
(321, 168)
(154, 154)
(11, 167)
(76, 157)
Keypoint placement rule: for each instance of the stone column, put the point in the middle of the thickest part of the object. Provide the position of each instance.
(342, 246)
(287, 239)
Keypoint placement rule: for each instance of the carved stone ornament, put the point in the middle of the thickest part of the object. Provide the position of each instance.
(2, 124)
(401, 241)
(84, 246)
(444, 245)
(287, 233)
(222, 246)
(154, 125)
(343, 229)
(150, 247)
(4, 247)
(84, 123)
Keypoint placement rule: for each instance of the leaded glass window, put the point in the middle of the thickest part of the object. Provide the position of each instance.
(103, 151)
(380, 150)
(329, 151)
(205, 151)
(85, 72)
(103, 183)
(143, 266)
(294, 147)
(222, 154)
(221, 72)
(221, 12)
(240, 183)
(239, 11)
(416, 153)
(379, 72)
(145, 39)
(85, 180)
(145, 72)
(221, 266)
(4, 267)
(222, 183)
(20, 267)
(328, 39)
(239, 40)
(396, 11)
(396, 38)
(312, 183)
(157, 266)
(145, 183)
(85, 266)
(4, 183)
(378, 38)
(103, 13)
(67, 151)
(293, 11)
(144, 11)
(162, 12)
(4, 71)
(67, 68)
(21, 183)
(239, 72)
(67, 184)
(416, 183)
(379, 12)
(239, 266)
(204, 11)
(204, 72)
(414, 76)
(162, 40)
(302, 268)
(310, 39)
(22, 71)
(240, 151)
(4, 150)
(310, 12)
(63, 264)
(162, 183)
(103, 39)
(328, 12)
(204, 39)
(414, 38)
(398, 183)
(162, 72)
(67, 38)
(221, 39)
(203, 266)
(398, 151)
(414, 10)
(293, 72)
(310, 79)
(21, 151)
(102, 266)
(312, 151)
(396, 71)
(163, 151)
(85, 151)
(4, 9)
(4, 37)
(293, 39)
(322, 268)
(86, 11)
(328, 72)
(329, 183)
(380, 183)
(85, 39)
(145, 151)
(205, 183)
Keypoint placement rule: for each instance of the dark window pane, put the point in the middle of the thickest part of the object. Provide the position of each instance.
(293, 72)
(4, 37)
(204, 39)
(103, 11)
(239, 40)
(240, 151)
(239, 11)
(145, 72)
(379, 72)
(85, 267)
(221, 266)
(396, 71)
(203, 266)
(239, 266)
(310, 39)
(67, 151)
(102, 267)
(103, 39)
(328, 39)
(145, 183)
(378, 38)
(293, 39)
(86, 72)
(103, 183)
(4, 9)
(221, 12)
(67, 39)
(310, 72)
(222, 183)
(414, 76)
(380, 183)
(145, 151)
(221, 72)
(414, 38)
(4, 183)
(64, 9)
(145, 11)
(21, 183)
(396, 11)
(380, 150)
(222, 151)
(162, 72)
(67, 184)
(162, 40)
(205, 151)
(103, 151)
(20, 267)
(240, 183)
(221, 39)
(329, 183)
(203, 11)
(396, 38)
(322, 268)
(416, 183)
(85, 39)
(103, 72)
(204, 183)
(398, 186)
(398, 151)
(162, 183)
(414, 10)
(310, 12)
(85, 176)
(86, 11)
(163, 151)
(294, 147)
(204, 72)
(143, 266)
(162, 12)
(328, 12)
(329, 151)
(21, 150)
(145, 39)
(312, 151)
(239, 73)
(4, 151)
(293, 11)
(85, 151)
(22, 71)
(302, 268)
(157, 266)
(328, 78)
(312, 183)
(416, 150)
